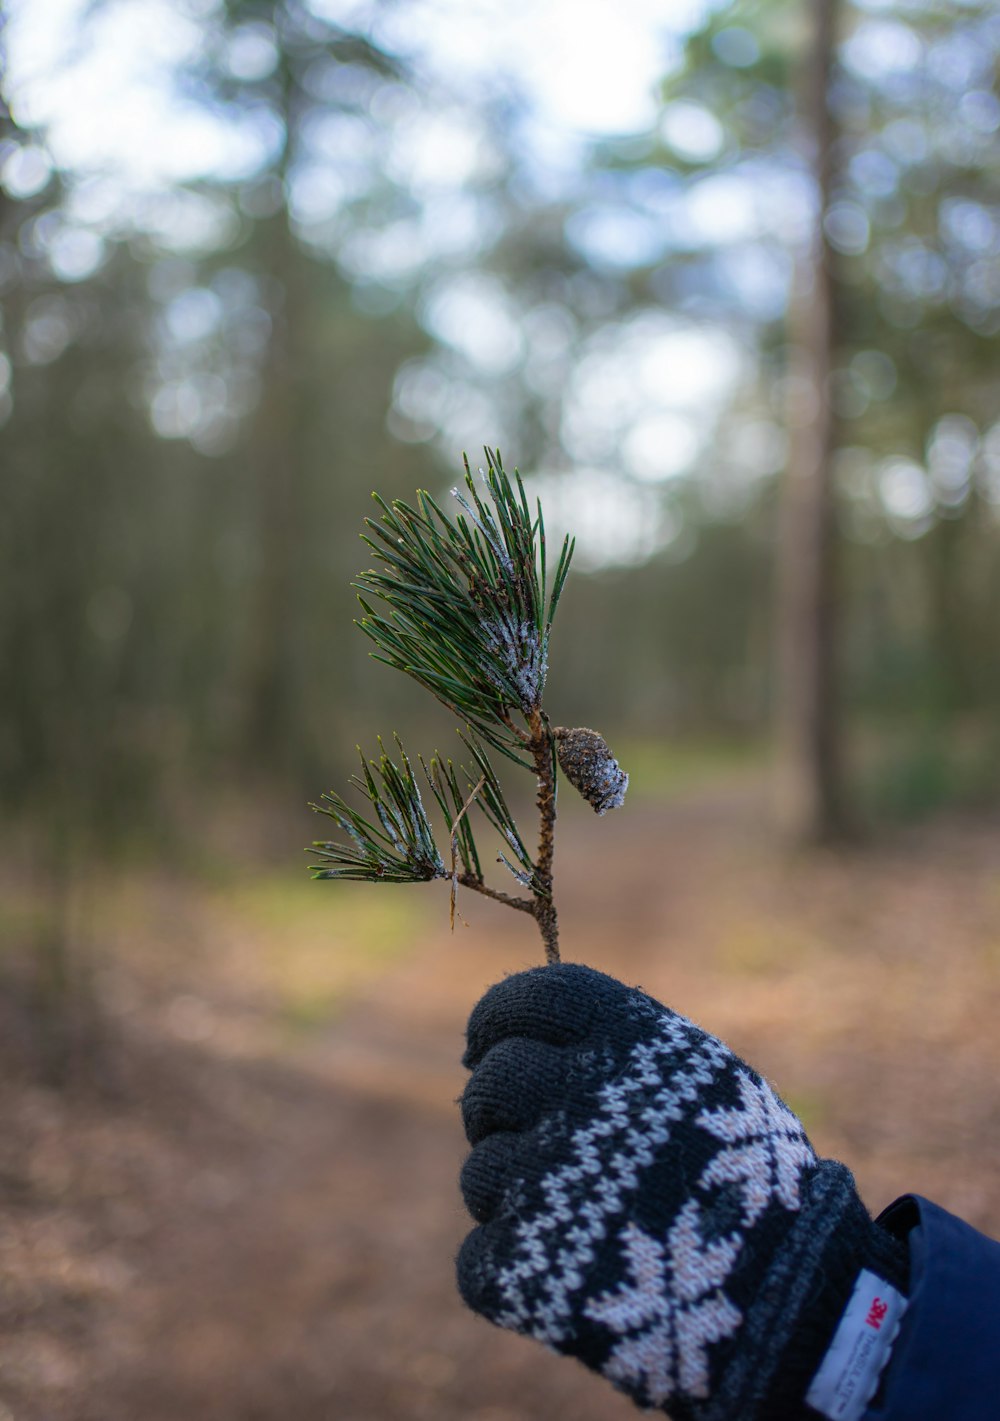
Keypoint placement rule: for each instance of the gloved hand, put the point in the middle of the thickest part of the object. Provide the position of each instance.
(647, 1204)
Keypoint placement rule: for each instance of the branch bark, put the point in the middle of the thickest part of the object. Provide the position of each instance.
(543, 760)
(523, 905)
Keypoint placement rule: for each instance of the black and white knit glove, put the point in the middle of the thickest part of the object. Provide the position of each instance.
(647, 1204)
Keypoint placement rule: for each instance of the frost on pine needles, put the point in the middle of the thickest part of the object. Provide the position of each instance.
(464, 605)
(523, 654)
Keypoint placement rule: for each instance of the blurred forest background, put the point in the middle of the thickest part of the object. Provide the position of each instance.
(352, 253)
(722, 279)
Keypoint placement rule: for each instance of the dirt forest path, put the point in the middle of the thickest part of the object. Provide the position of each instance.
(241, 1225)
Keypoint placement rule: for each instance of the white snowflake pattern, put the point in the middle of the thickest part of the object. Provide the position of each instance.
(637, 1112)
(672, 1311)
(766, 1149)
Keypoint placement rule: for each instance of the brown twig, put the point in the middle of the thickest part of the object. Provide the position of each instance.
(515, 730)
(544, 908)
(523, 905)
(540, 906)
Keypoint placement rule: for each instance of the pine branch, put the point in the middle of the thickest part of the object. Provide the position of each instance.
(465, 607)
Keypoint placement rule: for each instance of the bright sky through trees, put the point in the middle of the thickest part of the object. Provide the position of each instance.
(104, 92)
(108, 90)
(588, 66)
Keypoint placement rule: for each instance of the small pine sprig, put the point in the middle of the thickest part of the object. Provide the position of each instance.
(401, 848)
(466, 610)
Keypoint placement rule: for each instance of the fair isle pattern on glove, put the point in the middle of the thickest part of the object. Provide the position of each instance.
(673, 1308)
(647, 1203)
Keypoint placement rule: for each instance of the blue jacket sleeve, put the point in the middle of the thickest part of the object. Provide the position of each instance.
(946, 1361)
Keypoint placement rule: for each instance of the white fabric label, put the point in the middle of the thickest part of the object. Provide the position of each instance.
(849, 1373)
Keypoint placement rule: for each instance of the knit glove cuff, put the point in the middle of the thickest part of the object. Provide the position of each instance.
(647, 1203)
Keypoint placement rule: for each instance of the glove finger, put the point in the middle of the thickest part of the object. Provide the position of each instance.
(511, 1087)
(487, 1172)
(557, 1004)
(478, 1263)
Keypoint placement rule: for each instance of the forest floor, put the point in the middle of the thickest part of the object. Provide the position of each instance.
(242, 1206)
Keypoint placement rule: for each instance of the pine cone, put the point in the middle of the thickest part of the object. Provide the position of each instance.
(591, 768)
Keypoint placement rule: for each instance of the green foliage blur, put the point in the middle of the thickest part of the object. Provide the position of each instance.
(199, 394)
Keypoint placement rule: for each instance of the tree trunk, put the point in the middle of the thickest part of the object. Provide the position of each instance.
(275, 480)
(811, 796)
